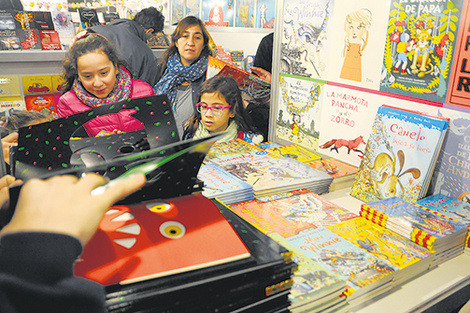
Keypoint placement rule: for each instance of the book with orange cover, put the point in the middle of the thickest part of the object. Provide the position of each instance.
(159, 238)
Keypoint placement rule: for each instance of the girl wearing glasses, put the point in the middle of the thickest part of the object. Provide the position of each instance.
(220, 108)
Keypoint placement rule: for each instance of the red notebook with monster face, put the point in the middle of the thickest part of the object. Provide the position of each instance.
(158, 238)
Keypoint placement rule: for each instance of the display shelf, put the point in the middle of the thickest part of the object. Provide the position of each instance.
(423, 293)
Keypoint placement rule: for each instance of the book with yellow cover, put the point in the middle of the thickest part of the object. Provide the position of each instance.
(37, 84)
(294, 151)
(10, 86)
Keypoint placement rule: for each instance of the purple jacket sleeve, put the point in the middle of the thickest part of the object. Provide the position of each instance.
(36, 275)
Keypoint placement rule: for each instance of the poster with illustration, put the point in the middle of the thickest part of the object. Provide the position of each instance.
(178, 11)
(192, 7)
(419, 47)
(297, 114)
(304, 43)
(356, 50)
(218, 13)
(245, 15)
(265, 12)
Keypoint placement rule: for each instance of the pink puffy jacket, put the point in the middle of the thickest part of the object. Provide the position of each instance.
(69, 104)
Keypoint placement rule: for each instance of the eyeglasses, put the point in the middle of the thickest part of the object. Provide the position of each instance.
(216, 109)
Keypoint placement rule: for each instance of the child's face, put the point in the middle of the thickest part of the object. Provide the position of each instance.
(215, 123)
(97, 73)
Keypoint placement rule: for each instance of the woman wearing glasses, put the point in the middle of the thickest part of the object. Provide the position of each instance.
(220, 108)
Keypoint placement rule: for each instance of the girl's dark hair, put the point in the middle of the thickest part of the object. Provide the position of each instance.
(186, 22)
(90, 43)
(17, 119)
(228, 88)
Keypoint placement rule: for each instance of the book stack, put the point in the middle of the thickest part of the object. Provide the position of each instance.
(294, 151)
(343, 173)
(411, 259)
(290, 213)
(366, 275)
(449, 207)
(267, 175)
(315, 288)
(400, 155)
(422, 226)
(224, 186)
(186, 254)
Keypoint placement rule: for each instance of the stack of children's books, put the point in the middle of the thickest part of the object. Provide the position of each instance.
(220, 184)
(186, 254)
(267, 174)
(449, 207)
(343, 173)
(421, 225)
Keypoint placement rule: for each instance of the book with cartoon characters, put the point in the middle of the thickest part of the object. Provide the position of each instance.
(294, 151)
(290, 213)
(410, 258)
(419, 48)
(363, 272)
(343, 173)
(400, 155)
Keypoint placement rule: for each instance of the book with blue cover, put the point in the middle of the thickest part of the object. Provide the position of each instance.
(362, 271)
(220, 184)
(448, 206)
(400, 155)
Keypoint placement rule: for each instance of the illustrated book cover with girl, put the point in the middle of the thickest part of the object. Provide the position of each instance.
(419, 47)
(296, 211)
(400, 155)
(294, 151)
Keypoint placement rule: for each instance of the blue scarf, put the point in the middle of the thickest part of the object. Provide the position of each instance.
(176, 73)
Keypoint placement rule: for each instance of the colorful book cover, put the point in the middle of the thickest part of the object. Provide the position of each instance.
(15, 103)
(57, 81)
(245, 16)
(298, 110)
(251, 86)
(9, 40)
(334, 167)
(356, 266)
(419, 46)
(43, 20)
(451, 207)
(296, 211)
(178, 11)
(452, 174)
(381, 242)
(158, 238)
(63, 24)
(110, 16)
(305, 40)
(37, 84)
(232, 149)
(345, 122)
(422, 226)
(50, 40)
(268, 144)
(356, 49)
(294, 151)
(400, 155)
(218, 182)
(192, 7)
(10, 86)
(458, 92)
(7, 21)
(24, 20)
(265, 13)
(29, 39)
(217, 13)
(313, 283)
(44, 103)
(269, 175)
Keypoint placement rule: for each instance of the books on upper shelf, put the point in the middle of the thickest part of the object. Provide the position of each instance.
(400, 155)
(29, 39)
(165, 236)
(9, 39)
(294, 151)
(452, 173)
(343, 173)
(422, 226)
(270, 175)
(88, 17)
(251, 86)
(110, 16)
(363, 272)
(292, 212)
(410, 258)
(63, 24)
(50, 40)
(224, 186)
(43, 20)
(315, 288)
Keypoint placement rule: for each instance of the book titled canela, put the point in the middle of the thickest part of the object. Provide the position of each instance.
(400, 155)
(159, 238)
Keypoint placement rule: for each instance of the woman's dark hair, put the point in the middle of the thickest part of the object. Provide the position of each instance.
(15, 119)
(228, 88)
(89, 43)
(150, 18)
(186, 22)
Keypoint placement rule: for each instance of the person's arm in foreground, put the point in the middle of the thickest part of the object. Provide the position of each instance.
(53, 220)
